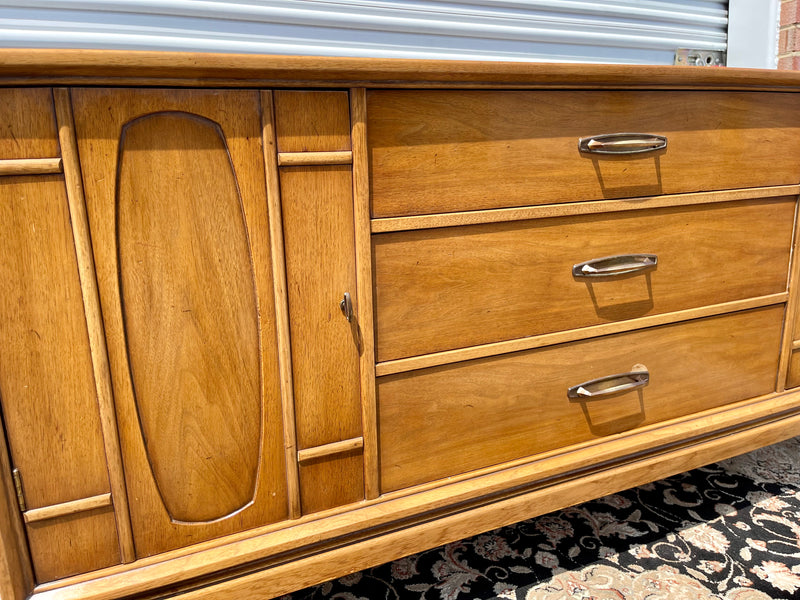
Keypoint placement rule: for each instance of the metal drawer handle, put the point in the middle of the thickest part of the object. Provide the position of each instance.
(622, 143)
(619, 264)
(610, 385)
(346, 306)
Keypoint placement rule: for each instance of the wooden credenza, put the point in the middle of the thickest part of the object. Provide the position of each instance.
(265, 321)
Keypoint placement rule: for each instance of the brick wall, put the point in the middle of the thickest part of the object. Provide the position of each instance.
(789, 40)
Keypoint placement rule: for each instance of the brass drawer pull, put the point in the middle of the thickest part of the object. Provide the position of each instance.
(622, 143)
(611, 266)
(610, 385)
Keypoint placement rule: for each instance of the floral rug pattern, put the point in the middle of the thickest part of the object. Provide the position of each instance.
(728, 531)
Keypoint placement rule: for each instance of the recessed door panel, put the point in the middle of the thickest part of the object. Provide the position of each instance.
(190, 314)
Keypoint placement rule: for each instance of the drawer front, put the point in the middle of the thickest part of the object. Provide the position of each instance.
(456, 287)
(443, 151)
(447, 420)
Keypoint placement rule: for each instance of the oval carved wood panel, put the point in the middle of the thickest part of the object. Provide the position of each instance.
(190, 312)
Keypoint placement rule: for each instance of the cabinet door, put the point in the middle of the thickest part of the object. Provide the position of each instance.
(177, 208)
(46, 381)
(319, 247)
(47, 386)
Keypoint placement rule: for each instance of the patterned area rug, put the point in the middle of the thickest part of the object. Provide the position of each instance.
(728, 531)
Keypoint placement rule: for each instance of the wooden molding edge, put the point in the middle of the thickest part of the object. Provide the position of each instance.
(65, 509)
(30, 166)
(572, 209)
(98, 349)
(25, 66)
(364, 280)
(272, 180)
(314, 159)
(309, 454)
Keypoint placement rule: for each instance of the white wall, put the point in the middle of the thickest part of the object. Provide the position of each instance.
(753, 33)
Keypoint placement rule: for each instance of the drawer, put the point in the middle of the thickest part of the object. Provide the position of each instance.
(27, 124)
(456, 287)
(443, 151)
(447, 420)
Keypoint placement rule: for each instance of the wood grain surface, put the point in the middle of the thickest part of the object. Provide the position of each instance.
(306, 159)
(455, 287)
(27, 124)
(318, 235)
(330, 481)
(94, 320)
(761, 419)
(474, 414)
(76, 543)
(46, 379)
(318, 223)
(445, 151)
(187, 285)
(312, 121)
(569, 209)
(67, 508)
(342, 447)
(178, 222)
(792, 304)
(180, 174)
(46, 376)
(30, 166)
(793, 373)
(16, 574)
(365, 304)
(273, 582)
(447, 357)
(24, 66)
(282, 329)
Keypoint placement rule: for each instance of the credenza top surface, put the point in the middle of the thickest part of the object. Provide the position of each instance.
(23, 66)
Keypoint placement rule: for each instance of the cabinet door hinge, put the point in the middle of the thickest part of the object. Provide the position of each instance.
(18, 487)
(700, 58)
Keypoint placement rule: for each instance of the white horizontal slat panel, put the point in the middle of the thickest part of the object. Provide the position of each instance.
(624, 31)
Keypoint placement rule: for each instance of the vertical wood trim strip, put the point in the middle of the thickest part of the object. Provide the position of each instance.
(281, 301)
(358, 119)
(94, 320)
(791, 305)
